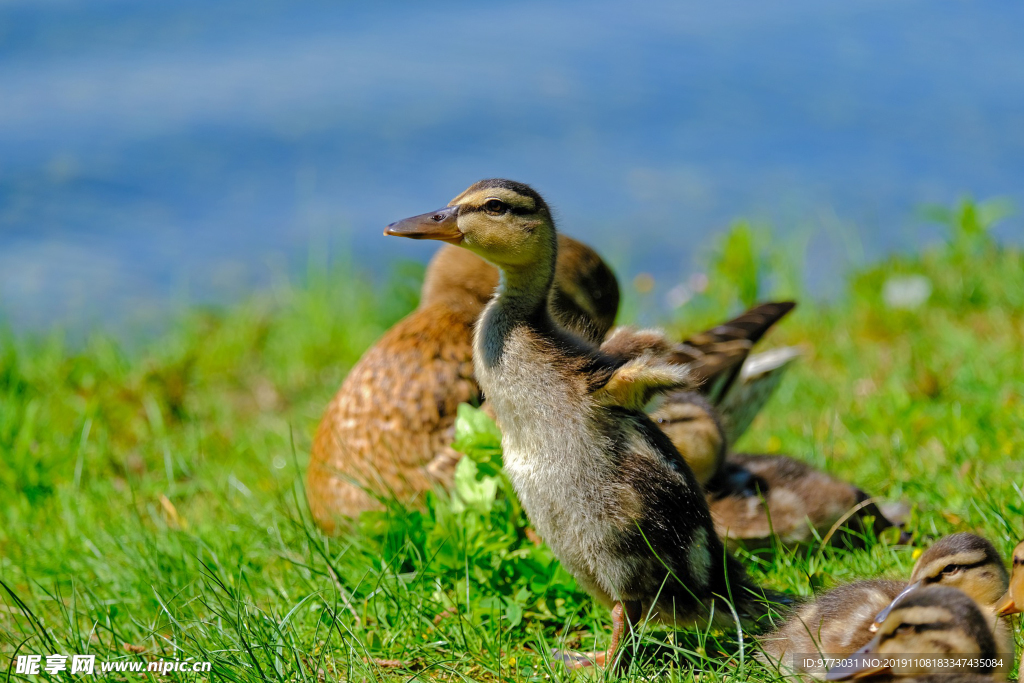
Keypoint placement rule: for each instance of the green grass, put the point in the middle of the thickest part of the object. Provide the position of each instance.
(152, 497)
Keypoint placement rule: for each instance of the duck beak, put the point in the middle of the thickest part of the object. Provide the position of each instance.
(437, 225)
(881, 616)
(1008, 604)
(860, 664)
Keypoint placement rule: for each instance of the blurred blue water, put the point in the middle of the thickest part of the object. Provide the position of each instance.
(158, 152)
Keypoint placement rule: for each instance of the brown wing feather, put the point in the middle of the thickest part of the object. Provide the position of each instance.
(717, 354)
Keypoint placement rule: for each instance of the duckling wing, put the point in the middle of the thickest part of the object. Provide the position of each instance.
(653, 347)
(633, 384)
(625, 343)
(714, 351)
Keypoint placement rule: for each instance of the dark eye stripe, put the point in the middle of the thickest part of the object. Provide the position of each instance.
(973, 565)
(963, 567)
(676, 420)
(517, 210)
(920, 628)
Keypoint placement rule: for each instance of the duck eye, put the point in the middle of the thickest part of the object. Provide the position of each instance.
(905, 629)
(950, 569)
(495, 206)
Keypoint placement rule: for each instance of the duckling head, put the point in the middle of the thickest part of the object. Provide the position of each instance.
(934, 620)
(964, 561)
(1013, 601)
(690, 422)
(503, 221)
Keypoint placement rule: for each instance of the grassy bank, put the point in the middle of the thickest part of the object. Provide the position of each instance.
(151, 500)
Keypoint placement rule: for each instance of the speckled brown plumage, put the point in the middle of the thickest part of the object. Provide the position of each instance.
(836, 622)
(756, 495)
(389, 428)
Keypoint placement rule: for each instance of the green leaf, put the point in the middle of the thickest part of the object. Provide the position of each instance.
(473, 490)
(478, 437)
(514, 613)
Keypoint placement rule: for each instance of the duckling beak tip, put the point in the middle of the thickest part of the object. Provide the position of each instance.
(1007, 606)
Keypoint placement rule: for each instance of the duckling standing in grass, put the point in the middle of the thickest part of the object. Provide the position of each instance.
(923, 633)
(841, 620)
(755, 498)
(390, 426)
(602, 485)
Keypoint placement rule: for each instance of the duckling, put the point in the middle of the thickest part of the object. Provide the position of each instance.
(841, 620)
(390, 426)
(601, 484)
(926, 628)
(971, 564)
(755, 498)
(836, 622)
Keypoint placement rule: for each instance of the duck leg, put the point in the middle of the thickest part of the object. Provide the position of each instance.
(624, 616)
